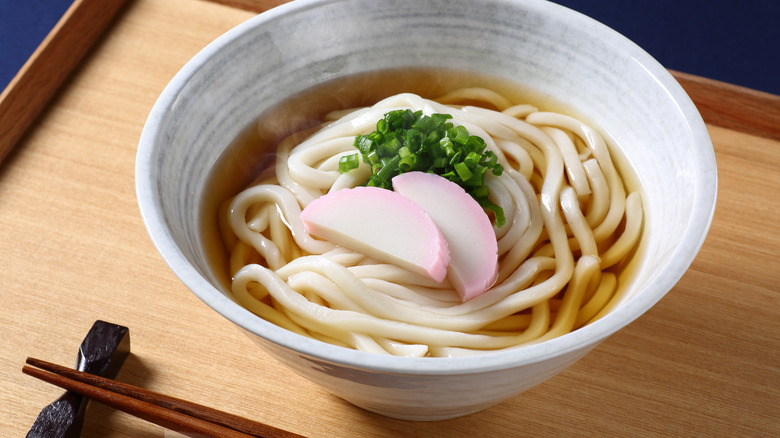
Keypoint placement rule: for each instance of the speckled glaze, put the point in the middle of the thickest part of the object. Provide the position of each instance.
(551, 49)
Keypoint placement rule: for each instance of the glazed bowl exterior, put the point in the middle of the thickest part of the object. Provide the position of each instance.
(551, 49)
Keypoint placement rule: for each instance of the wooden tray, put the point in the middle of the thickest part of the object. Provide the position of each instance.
(703, 362)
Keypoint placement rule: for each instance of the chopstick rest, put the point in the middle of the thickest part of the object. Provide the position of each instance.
(102, 353)
(173, 413)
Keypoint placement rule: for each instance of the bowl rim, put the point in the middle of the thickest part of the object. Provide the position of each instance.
(581, 339)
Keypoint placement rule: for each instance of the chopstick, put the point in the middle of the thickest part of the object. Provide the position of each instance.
(182, 416)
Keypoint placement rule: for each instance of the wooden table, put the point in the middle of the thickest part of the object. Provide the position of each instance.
(703, 362)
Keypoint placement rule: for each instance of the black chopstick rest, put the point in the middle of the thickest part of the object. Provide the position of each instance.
(102, 353)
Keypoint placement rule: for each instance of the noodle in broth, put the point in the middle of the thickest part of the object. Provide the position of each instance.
(569, 223)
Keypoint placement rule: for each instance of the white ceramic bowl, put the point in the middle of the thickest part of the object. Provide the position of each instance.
(551, 49)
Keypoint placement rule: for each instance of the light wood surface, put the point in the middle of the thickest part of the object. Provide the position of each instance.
(703, 362)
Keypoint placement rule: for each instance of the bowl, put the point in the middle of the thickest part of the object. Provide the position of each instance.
(558, 52)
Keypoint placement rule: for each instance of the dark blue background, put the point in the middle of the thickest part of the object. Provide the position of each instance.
(736, 41)
(23, 25)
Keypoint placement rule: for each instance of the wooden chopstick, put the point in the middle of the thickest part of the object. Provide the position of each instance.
(170, 412)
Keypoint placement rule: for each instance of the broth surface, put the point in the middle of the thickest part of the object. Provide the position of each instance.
(253, 150)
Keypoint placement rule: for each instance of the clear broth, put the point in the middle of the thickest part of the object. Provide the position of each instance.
(253, 150)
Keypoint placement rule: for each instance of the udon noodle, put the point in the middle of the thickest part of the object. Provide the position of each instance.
(569, 224)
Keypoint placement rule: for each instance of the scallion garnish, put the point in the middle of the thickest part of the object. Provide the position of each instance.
(348, 162)
(406, 141)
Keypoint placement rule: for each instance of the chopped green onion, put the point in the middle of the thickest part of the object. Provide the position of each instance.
(463, 171)
(475, 143)
(447, 146)
(407, 141)
(390, 147)
(455, 158)
(481, 192)
(408, 163)
(487, 204)
(382, 126)
(364, 144)
(472, 159)
(492, 158)
(372, 157)
(348, 162)
(459, 135)
(389, 169)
